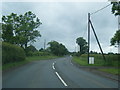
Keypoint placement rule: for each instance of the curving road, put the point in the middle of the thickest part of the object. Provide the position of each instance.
(57, 73)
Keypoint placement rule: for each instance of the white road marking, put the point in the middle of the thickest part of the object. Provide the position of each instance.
(61, 79)
(53, 67)
(71, 62)
(53, 64)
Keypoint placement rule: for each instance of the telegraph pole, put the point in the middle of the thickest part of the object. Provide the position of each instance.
(88, 35)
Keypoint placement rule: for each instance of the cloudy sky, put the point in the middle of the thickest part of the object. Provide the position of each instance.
(66, 21)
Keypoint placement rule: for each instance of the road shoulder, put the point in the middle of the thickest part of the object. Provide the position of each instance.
(94, 69)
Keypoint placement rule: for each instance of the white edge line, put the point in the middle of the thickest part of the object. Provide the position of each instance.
(61, 79)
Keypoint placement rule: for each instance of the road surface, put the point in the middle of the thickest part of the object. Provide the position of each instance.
(57, 73)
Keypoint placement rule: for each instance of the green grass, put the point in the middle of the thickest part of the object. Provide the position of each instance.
(111, 60)
(98, 62)
(32, 58)
(83, 61)
(27, 60)
(112, 71)
(14, 64)
(80, 61)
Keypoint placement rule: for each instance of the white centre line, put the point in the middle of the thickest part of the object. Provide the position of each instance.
(71, 62)
(53, 64)
(53, 67)
(61, 79)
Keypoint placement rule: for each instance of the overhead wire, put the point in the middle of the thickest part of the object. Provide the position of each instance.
(100, 9)
(96, 12)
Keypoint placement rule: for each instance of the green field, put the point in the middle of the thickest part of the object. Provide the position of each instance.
(84, 62)
(111, 61)
(27, 60)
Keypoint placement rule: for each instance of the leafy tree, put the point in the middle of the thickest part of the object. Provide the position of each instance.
(116, 8)
(0, 31)
(31, 48)
(93, 52)
(115, 40)
(7, 28)
(83, 45)
(20, 29)
(57, 49)
(41, 49)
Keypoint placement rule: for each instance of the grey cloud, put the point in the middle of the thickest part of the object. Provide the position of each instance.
(64, 22)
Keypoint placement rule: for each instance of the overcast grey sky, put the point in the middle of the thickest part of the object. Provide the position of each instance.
(66, 21)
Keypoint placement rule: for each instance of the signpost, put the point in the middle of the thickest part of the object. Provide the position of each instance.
(91, 60)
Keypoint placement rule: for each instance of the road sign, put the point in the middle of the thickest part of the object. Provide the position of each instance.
(91, 60)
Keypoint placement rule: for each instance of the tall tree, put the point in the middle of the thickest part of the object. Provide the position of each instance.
(83, 44)
(116, 8)
(57, 48)
(20, 29)
(7, 29)
(115, 40)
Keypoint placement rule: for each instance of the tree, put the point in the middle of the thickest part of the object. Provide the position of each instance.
(31, 48)
(41, 49)
(57, 49)
(83, 45)
(20, 29)
(7, 29)
(116, 8)
(115, 40)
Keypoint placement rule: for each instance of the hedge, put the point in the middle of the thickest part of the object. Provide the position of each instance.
(12, 53)
(38, 53)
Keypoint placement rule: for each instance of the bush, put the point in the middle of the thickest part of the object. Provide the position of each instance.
(38, 53)
(12, 53)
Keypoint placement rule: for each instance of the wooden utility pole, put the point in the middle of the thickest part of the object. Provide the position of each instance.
(88, 35)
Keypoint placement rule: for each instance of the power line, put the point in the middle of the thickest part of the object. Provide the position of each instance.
(100, 9)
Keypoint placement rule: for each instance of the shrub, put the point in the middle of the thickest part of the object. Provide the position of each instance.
(12, 53)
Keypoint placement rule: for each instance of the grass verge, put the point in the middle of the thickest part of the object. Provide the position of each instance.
(83, 61)
(33, 58)
(14, 64)
(27, 60)
(112, 71)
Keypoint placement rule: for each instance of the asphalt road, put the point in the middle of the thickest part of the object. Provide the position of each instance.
(57, 73)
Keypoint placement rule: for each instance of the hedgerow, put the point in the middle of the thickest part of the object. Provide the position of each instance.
(12, 53)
